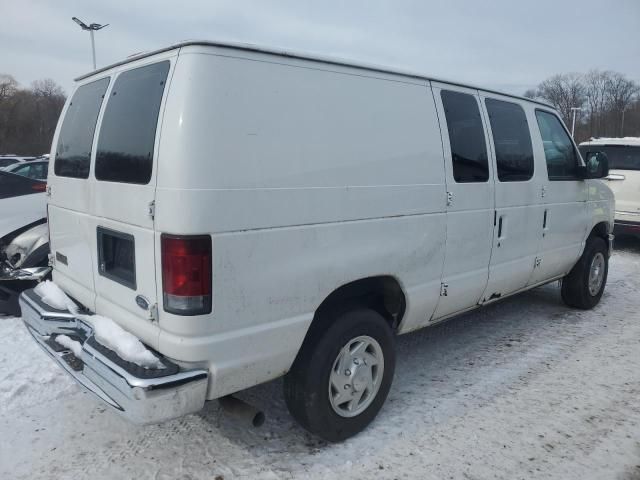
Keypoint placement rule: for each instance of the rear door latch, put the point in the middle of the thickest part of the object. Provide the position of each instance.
(151, 209)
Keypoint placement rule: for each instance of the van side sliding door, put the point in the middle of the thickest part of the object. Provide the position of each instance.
(470, 203)
(518, 195)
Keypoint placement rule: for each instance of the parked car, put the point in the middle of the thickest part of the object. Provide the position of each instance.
(624, 179)
(10, 160)
(7, 160)
(24, 239)
(248, 214)
(36, 169)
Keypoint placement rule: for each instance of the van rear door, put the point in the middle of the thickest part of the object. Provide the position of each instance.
(70, 186)
(102, 225)
(124, 191)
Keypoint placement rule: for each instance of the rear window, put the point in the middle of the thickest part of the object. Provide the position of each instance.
(621, 157)
(5, 162)
(73, 153)
(511, 138)
(128, 131)
(12, 185)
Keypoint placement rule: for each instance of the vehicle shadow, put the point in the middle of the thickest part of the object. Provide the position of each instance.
(627, 243)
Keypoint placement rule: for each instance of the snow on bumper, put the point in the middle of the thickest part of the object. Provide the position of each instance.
(139, 395)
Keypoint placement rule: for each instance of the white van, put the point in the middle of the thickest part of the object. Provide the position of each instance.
(249, 213)
(624, 179)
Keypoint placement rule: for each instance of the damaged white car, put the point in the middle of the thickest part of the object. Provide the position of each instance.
(24, 237)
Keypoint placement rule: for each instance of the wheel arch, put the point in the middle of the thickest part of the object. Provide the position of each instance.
(601, 230)
(382, 293)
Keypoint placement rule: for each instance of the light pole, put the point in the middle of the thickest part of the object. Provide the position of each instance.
(91, 28)
(573, 122)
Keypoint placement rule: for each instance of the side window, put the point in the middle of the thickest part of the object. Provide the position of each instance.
(512, 140)
(466, 136)
(73, 153)
(559, 151)
(23, 170)
(128, 131)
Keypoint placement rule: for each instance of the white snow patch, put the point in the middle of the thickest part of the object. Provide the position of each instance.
(127, 346)
(52, 295)
(71, 344)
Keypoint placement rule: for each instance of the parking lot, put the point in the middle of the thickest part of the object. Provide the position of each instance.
(526, 388)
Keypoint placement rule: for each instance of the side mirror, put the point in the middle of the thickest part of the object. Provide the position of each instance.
(596, 166)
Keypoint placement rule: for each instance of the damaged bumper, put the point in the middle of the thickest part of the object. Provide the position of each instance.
(25, 274)
(141, 395)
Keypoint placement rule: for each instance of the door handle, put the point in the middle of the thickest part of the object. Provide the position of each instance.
(500, 223)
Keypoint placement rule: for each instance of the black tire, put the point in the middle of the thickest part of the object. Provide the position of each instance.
(575, 286)
(306, 386)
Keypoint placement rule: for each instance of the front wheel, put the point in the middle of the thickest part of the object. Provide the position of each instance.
(341, 377)
(584, 285)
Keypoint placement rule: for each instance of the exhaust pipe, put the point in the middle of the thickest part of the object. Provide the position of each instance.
(242, 410)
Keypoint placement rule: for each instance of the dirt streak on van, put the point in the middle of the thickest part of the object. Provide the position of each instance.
(249, 213)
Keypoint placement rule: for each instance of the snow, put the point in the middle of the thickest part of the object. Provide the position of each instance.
(525, 388)
(52, 295)
(127, 346)
(107, 332)
(73, 345)
(630, 141)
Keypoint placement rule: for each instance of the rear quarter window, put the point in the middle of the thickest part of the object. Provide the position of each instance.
(73, 152)
(128, 131)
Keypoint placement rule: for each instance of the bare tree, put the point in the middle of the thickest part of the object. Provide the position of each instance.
(47, 88)
(619, 96)
(596, 86)
(8, 86)
(611, 100)
(28, 117)
(563, 91)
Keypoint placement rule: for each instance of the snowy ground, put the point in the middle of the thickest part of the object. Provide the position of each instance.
(526, 388)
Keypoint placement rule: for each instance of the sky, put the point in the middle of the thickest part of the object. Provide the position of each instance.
(509, 45)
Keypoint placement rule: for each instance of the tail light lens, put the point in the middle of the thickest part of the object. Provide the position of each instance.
(186, 274)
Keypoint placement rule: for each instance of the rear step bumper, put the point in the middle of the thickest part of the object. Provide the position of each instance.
(141, 398)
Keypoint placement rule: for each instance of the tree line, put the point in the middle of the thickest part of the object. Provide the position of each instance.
(28, 116)
(609, 102)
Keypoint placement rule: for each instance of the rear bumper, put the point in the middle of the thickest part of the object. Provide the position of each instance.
(138, 396)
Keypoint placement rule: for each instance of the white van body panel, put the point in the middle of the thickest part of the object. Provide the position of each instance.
(469, 233)
(307, 176)
(313, 183)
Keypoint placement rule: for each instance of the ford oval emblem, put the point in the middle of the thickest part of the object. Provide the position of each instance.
(142, 302)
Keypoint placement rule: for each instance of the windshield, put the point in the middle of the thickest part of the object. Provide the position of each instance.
(621, 157)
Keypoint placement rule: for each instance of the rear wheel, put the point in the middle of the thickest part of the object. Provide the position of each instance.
(342, 375)
(584, 285)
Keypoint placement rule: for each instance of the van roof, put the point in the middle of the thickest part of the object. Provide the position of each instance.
(625, 141)
(304, 56)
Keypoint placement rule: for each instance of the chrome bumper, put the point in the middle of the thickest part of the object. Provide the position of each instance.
(141, 398)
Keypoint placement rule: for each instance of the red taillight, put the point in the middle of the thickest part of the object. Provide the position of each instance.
(39, 187)
(186, 274)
